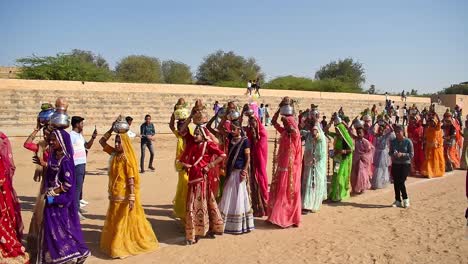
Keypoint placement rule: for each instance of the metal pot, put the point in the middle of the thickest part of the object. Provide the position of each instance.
(45, 115)
(358, 123)
(121, 127)
(233, 115)
(60, 119)
(286, 110)
(337, 121)
(314, 114)
(249, 112)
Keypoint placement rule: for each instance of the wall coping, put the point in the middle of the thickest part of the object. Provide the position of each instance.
(6, 84)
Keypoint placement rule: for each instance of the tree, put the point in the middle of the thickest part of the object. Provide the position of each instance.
(371, 89)
(139, 68)
(176, 72)
(228, 69)
(346, 71)
(461, 88)
(306, 84)
(413, 92)
(62, 67)
(89, 57)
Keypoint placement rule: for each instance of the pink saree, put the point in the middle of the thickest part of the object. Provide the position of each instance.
(284, 205)
(361, 172)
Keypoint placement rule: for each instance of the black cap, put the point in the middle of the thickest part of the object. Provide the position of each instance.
(75, 120)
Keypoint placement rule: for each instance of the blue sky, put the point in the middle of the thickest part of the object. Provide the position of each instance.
(407, 45)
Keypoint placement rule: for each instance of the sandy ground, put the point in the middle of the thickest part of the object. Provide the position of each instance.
(364, 229)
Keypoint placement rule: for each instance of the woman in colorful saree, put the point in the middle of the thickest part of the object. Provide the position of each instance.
(61, 237)
(451, 131)
(382, 159)
(258, 139)
(284, 205)
(11, 249)
(180, 197)
(416, 135)
(343, 158)
(235, 203)
(203, 217)
(434, 162)
(361, 169)
(126, 231)
(41, 156)
(314, 174)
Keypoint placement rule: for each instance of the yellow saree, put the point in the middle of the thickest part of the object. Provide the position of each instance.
(180, 198)
(126, 232)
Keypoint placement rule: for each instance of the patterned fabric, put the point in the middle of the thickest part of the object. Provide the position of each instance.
(382, 161)
(126, 232)
(361, 171)
(258, 138)
(62, 239)
(202, 213)
(284, 204)
(314, 175)
(11, 249)
(235, 207)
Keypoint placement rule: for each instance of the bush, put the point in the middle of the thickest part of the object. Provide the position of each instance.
(62, 67)
(306, 84)
(456, 89)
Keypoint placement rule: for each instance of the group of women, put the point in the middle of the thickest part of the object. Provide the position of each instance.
(222, 177)
(55, 234)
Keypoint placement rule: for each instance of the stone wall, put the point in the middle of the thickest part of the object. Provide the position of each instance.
(101, 103)
(8, 72)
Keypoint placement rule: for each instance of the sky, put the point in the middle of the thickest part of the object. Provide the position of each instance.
(402, 44)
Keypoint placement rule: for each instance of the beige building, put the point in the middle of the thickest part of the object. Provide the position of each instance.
(8, 72)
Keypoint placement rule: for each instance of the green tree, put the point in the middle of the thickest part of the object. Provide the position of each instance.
(346, 71)
(61, 67)
(140, 69)
(461, 88)
(176, 72)
(306, 84)
(371, 89)
(90, 57)
(228, 69)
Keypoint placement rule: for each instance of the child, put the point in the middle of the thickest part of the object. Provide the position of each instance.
(235, 206)
(203, 216)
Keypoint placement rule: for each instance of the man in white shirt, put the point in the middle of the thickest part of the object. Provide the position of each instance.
(397, 115)
(80, 148)
(405, 115)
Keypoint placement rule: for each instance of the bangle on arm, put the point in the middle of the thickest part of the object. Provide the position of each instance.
(107, 135)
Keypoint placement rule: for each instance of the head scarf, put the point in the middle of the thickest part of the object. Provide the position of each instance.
(6, 155)
(65, 142)
(254, 108)
(125, 162)
(343, 131)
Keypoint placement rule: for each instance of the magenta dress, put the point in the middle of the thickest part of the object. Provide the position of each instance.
(259, 157)
(284, 205)
(361, 172)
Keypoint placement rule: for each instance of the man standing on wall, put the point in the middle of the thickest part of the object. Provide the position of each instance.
(80, 147)
(147, 133)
